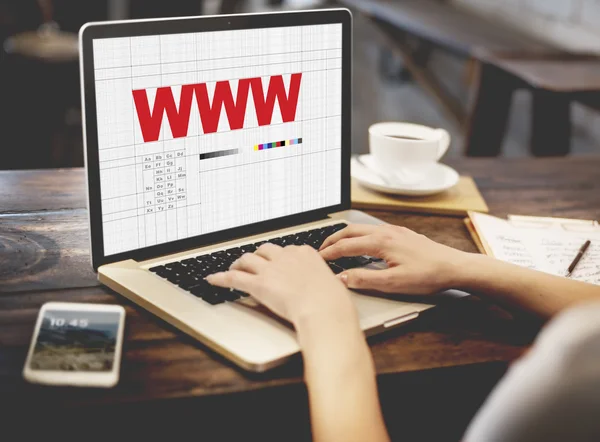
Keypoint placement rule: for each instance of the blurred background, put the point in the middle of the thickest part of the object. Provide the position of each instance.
(39, 73)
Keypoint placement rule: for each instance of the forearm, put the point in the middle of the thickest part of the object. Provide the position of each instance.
(536, 292)
(341, 383)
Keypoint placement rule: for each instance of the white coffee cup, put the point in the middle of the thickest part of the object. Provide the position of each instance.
(407, 151)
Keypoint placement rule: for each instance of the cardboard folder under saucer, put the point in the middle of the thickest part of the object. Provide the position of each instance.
(457, 201)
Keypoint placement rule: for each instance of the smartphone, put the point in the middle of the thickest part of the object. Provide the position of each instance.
(76, 344)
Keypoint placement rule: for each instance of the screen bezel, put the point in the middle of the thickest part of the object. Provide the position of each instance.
(77, 378)
(92, 31)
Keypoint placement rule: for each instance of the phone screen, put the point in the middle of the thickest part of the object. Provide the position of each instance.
(72, 340)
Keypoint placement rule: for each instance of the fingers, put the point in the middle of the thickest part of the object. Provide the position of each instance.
(352, 231)
(249, 262)
(235, 279)
(269, 251)
(365, 279)
(363, 245)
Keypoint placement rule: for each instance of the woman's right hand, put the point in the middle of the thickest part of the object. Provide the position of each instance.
(417, 265)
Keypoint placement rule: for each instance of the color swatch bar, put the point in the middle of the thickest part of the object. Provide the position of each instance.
(266, 146)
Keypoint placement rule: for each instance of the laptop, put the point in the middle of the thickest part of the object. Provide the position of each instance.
(206, 137)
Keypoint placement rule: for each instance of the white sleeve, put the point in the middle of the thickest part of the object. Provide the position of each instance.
(553, 393)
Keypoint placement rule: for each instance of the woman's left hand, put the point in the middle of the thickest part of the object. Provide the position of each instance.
(294, 282)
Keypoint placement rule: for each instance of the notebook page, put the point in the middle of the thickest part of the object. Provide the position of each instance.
(588, 269)
(505, 241)
(560, 250)
(547, 249)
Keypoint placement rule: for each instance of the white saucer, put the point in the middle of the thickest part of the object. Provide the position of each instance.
(438, 179)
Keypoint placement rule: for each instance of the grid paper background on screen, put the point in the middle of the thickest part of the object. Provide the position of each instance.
(155, 192)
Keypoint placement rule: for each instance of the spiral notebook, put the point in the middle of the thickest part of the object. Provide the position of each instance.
(545, 244)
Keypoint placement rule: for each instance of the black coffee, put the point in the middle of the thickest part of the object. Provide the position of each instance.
(405, 137)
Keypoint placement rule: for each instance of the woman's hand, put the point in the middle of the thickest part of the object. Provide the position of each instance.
(294, 282)
(417, 265)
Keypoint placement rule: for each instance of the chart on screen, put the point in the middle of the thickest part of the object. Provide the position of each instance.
(202, 132)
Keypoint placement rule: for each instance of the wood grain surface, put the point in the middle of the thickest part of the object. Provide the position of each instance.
(559, 74)
(44, 257)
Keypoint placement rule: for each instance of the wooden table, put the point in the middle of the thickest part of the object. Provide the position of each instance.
(555, 81)
(437, 369)
(412, 29)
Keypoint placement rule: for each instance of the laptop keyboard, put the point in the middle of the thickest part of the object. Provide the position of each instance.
(189, 274)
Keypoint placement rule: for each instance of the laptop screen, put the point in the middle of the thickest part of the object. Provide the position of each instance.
(203, 132)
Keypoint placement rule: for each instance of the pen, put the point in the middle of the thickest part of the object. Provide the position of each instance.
(580, 254)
